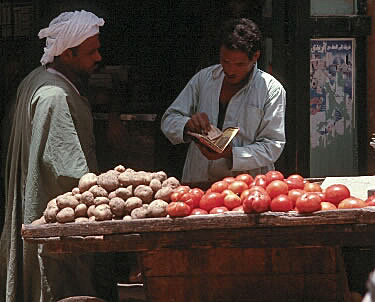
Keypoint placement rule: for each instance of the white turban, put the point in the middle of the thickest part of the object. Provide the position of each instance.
(68, 30)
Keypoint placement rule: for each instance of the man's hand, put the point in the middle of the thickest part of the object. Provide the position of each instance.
(198, 123)
(212, 155)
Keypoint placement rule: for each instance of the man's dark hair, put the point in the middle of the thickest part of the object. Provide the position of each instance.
(241, 34)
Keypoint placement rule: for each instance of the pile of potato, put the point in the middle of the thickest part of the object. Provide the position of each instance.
(116, 194)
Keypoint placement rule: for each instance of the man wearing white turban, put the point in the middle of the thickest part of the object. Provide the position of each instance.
(51, 146)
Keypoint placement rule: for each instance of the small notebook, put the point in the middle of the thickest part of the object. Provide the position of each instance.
(216, 139)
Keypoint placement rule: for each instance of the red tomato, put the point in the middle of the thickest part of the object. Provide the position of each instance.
(218, 210)
(211, 200)
(178, 209)
(370, 201)
(274, 175)
(196, 194)
(219, 186)
(198, 211)
(178, 192)
(294, 194)
(260, 180)
(229, 179)
(181, 188)
(245, 178)
(227, 191)
(294, 183)
(336, 192)
(327, 206)
(238, 209)
(232, 201)
(245, 193)
(296, 176)
(308, 203)
(322, 196)
(281, 203)
(189, 200)
(256, 202)
(351, 203)
(238, 186)
(277, 187)
(257, 188)
(312, 187)
(175, 196)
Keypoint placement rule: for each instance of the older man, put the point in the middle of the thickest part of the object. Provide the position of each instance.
(51, 146)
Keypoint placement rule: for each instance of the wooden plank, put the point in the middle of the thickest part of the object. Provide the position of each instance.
(320, 235)
(217, 261)
(205, 222)
(250, 288)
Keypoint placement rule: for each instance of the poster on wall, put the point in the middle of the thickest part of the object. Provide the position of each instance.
(333, 137)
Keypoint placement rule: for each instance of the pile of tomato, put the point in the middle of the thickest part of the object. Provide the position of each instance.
(265, 192)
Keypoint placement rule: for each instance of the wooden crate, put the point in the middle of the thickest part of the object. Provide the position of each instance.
(244, 274)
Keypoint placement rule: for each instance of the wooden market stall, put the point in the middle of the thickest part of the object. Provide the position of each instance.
(227, 257)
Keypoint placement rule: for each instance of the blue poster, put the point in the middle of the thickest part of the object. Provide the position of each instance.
(333, 142)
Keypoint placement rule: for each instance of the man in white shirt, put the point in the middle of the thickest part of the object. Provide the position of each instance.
(234, 93)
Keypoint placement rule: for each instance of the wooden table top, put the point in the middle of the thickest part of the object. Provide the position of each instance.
(349, 227)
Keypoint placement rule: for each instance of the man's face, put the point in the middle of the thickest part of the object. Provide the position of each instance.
(87, 56)
(236, 64)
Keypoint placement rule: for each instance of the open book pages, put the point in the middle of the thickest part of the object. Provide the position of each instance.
(216, 139)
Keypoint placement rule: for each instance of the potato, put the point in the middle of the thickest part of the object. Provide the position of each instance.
(50, 213)
(87, 198)
(80, 210)
(130, 188)
(76, 191)
(87, 181)
(164, 194)
(92, 218)
(141, 212)
(101, 200)
(120, 168)
(39, 221)
(65, 201)
(155, 185)
(161, 176)
(171, 182)
(140, 178)
(109, 180)
(103, 212)
(52, 203)
(81, 219)
(125, 178)
(127, 218)
(98, 191)
(78, 196)
(124, 193)
(65, 215)
(129, 170)
(144, 192)
(91, 211)
(157, 208)
(131, 203)
(117, 206)
(112, 194)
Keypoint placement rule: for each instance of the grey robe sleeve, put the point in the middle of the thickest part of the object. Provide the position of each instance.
(56, 160)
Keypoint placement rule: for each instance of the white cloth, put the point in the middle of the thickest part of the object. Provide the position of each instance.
(258, 109)
(68, 30)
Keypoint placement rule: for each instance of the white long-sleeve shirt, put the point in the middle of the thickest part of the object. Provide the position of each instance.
(258, 109)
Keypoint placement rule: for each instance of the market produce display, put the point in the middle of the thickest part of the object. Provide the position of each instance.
(126, 194)
(116, 194)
